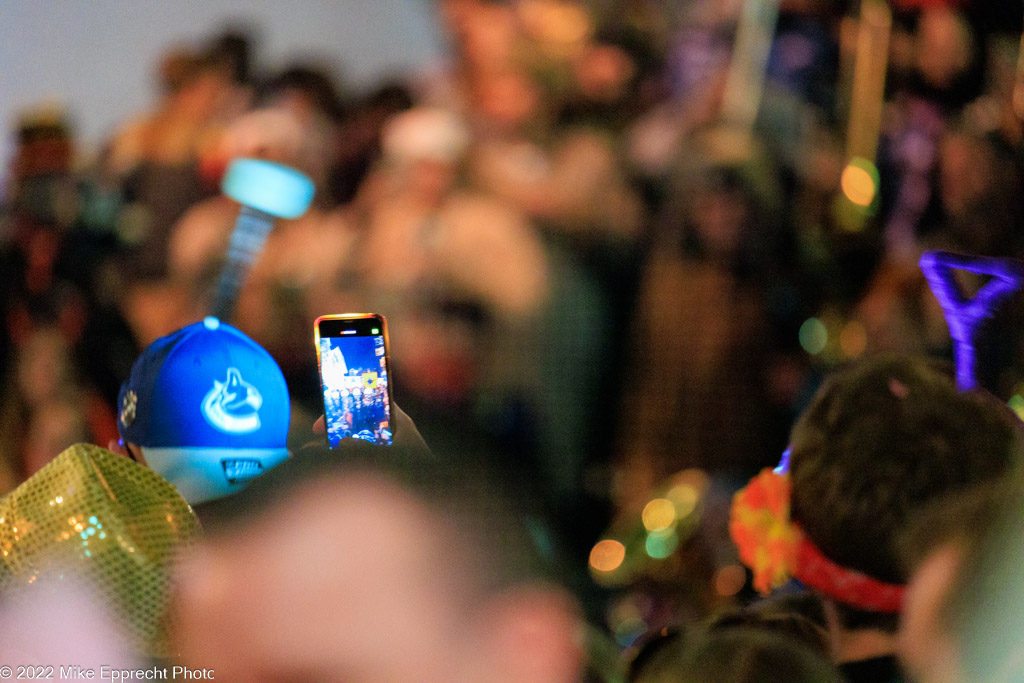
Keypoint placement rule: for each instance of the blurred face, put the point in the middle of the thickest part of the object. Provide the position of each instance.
(965, 172)
(43, 367)
(603, 72)
(355, 580)
(506, 100)
(926, 650)
(348, 586)
(943, 46)
(487, 34)
(719, 217)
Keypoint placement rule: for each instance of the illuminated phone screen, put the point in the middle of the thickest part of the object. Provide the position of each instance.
(354, 375)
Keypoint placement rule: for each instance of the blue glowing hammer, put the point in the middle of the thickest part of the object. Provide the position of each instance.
(965, 316)
(266, 191)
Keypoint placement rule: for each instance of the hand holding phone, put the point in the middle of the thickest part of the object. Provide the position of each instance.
(352, 353)
(406, 433)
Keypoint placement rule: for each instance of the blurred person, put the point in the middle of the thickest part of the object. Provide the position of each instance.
(947, 59)
(55, 394)
(979, 188)
(41, 194)
(294, 125)
(835, 265)
(793, 617)
(413, 569)
(555, 163)
(37, 210)
(900, 314)
(58, 253)
(937, 545)
(568, 182)
(880, 441)
(429, 234)
(976, 211)
(483, 38)
(462, 276)
(564, 177)
(157, 155)
(47, 407)
(736, 654)
(66, 623)
(969, 594)
(697, 59)
(359, 141)
(945, 73)
(797, 616)
(712, 365)
(207, 409)
(492, 335)
(567, 179)
(908, 152)
(800, 81)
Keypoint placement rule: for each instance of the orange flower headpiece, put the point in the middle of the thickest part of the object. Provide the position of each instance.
(775, 549)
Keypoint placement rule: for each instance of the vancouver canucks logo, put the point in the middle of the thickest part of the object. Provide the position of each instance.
(233, 406)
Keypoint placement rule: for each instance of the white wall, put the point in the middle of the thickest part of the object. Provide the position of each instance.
(97, 57)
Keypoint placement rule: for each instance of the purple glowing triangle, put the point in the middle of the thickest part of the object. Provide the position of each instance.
(965, 316)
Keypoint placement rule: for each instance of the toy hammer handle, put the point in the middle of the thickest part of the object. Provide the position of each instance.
(247, 241)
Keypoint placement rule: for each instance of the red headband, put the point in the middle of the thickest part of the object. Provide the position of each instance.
(776, 549)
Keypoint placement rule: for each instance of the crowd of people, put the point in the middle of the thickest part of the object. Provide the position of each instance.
(612, 288)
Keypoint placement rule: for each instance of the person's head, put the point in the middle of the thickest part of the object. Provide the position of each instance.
(737, 654)
(944, 46)
(423, 148)
(981, 612)
(881, 440)
(309, 89)
(207, 408)
(376, 564)
(798, 616)
(936, 547)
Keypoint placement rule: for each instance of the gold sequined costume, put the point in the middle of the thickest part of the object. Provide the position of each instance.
(108, 521)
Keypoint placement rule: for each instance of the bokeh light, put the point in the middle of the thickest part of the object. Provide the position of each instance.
(607, 555)
(661, 544)
(627, 621)
(859, 182)
(627, 631)
(813, 336)
(729, 580)
(853, 339)
(684, 498)
(659, 514)
(1016, 404)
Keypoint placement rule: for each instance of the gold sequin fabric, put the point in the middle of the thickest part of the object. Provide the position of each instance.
(111, 523)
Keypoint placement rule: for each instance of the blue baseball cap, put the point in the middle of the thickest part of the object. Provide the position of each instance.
(209, 407)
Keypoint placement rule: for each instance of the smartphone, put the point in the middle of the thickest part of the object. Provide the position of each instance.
(352, 353)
